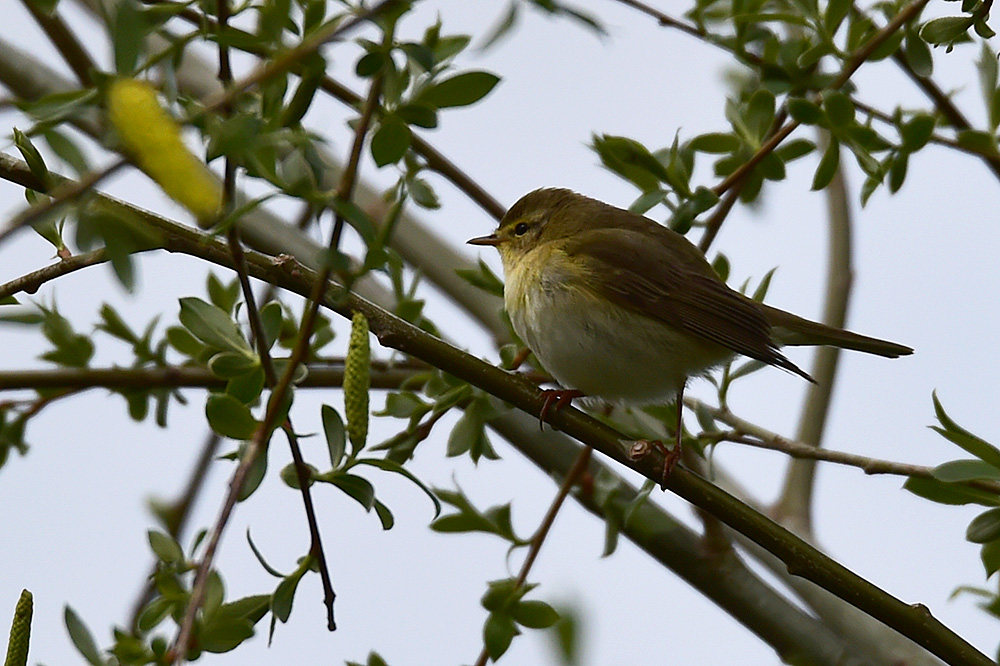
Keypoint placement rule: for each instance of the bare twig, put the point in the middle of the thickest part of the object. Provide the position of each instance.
(751, 434)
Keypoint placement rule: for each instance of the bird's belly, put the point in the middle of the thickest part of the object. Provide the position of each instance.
(604, 350)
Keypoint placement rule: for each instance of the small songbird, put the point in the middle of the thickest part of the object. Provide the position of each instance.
(617, 306)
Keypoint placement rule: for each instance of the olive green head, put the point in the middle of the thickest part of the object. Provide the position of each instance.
(539, 217)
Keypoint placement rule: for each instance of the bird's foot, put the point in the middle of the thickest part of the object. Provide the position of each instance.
(556, 399)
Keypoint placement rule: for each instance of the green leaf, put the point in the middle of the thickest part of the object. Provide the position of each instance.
(182, 340)
(290, 475)
(356, 487)
(760, 112)
(917, 131)
(128, 35)
(223, 632)
(630, 160)
(963, 438)
(460, 90)
(212, 325)
(419, 115)
(793, 150)
(223, 296)
(484, 278)
(828, 164)
(535, 614)
(836, 11)
(990, 555)
(227, 364)
(498, 632)
(336, 435)
(805, 112)
(897, 170)
(165, 547)
(356, 217)
(229, 417)
(391, 141)
(715, 142)
(945, 30)
(82, 638)
(370, 64)
(918, 55)
(396, 468)
(985, 527)
(384, 515)
(33, 158)
(839, 109)
(404, 405)
(950, 493)
(957, 471)
(977, 141)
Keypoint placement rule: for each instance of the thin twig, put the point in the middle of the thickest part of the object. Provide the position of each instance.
(65, 41)
(320, 376)
(575, 473)
(751, 434)
(65, 193)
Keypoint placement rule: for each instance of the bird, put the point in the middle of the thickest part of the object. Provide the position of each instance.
(618, 306)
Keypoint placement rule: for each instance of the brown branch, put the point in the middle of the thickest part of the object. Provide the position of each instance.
(65, 41)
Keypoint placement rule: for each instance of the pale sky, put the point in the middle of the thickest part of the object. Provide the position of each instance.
(926, 275)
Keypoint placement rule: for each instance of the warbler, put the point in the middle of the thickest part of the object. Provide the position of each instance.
(617, 306)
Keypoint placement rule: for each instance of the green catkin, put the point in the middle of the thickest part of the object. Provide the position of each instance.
(357, 380)
(20, 632)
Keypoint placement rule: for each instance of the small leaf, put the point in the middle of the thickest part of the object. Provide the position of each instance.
(839, 109)
(715, 142)
(990, 555)
(391, 141)
(828, 164)
(165, 547)
(945, 30)
(918, 55)
(963, 438)
(356, 487)
(498, 632)
(384, 515)
(805, 112)
(917, 131)
(229, 417)
(82, 638)
(460, 90)
(957, 471)
(231, 364)
(336, 439)
(985, 527)
(212, 325)
(535, 614)
(950, 493)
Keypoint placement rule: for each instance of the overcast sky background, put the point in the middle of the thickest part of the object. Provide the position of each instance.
(72, 513)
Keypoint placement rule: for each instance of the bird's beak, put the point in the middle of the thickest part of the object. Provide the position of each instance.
(492, 239)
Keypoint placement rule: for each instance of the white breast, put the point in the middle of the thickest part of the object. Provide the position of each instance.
(592, 346)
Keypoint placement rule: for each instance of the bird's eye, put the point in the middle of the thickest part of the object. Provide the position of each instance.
(520, 228)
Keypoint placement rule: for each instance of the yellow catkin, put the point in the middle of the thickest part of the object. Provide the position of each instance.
(153, 139)
(357, 380)
(20, 632)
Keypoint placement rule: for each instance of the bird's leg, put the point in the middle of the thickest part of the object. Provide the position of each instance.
(671, 457)
(556, 399)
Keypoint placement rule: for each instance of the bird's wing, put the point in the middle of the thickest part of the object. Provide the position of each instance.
(647, 275)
